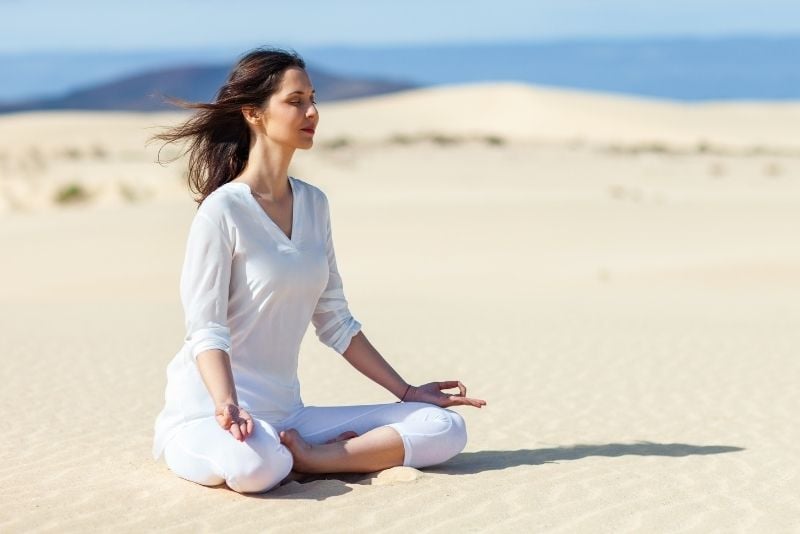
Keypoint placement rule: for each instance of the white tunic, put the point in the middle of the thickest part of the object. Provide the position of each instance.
(251, 291)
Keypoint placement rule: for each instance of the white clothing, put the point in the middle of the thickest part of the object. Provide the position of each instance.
(204, 453)
(251, 291)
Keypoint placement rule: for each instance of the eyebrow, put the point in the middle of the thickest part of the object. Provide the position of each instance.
(313, 92)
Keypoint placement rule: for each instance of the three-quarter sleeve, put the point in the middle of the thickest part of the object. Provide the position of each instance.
(333, 323)
(204, 286)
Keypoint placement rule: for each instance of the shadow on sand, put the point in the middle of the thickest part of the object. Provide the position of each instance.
(468, 463)
(321, 487)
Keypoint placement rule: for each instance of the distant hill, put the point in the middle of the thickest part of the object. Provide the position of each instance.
(145, 91)
(690, 69)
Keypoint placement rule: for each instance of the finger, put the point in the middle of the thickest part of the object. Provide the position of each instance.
(246, 422)
(224, 421)
(464, 401)
(227, 416)
(447, 384)
(236, 432)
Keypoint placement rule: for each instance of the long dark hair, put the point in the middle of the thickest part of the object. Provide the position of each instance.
(219, 138)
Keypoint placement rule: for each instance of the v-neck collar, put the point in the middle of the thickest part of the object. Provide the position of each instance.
(267, 220)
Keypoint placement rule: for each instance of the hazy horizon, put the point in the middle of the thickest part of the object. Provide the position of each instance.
(680, 68)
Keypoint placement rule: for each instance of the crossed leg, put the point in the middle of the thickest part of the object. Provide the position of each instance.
(206, 454)
(412, 434)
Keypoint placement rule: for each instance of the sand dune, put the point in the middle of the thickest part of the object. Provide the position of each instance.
(53, 158)
(57, 158)
(519, 111)
(630, 316)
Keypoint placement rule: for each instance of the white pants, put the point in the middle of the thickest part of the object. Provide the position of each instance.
(206, 454)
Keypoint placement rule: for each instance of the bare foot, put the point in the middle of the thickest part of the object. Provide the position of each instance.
(300, 449)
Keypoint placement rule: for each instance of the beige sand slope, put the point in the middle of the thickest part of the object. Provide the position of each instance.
(44, 155)
(625, 300)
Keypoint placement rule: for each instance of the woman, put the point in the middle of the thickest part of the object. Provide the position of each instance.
(259, 266)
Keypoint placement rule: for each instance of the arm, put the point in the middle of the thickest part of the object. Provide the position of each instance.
(364, 357)
(337, 328)
(205, 281)
(215, 369)
(367, 360)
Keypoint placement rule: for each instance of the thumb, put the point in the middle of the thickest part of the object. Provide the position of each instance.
(224, 415)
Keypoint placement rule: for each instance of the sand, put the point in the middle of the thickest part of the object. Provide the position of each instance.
(620, 285)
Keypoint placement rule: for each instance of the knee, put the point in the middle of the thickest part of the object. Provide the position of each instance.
(261, 473)
(457, 432)
(443, 436)
(452, 430)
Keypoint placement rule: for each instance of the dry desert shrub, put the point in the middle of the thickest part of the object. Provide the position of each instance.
(72, 193)
(338, 142)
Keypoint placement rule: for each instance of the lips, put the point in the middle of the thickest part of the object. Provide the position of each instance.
(309, 130)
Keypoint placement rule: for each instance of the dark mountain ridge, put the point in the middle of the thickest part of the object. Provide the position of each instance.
(196, 83)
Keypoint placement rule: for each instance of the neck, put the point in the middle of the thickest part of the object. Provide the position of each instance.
(266, 171)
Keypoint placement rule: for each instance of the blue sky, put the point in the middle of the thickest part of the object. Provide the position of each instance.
(94, 25)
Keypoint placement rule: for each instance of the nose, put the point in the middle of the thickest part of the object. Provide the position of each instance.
(312, 111)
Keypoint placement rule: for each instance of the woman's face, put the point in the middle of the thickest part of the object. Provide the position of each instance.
(291, 116)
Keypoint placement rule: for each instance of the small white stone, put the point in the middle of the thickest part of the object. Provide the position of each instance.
(397, 474)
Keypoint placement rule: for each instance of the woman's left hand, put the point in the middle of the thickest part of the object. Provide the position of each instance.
(432, 394)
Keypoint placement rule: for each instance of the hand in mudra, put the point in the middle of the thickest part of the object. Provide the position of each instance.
(235, 420)
(432, 393)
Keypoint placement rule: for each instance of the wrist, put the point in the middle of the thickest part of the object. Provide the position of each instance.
(226, 402)
(406, 391)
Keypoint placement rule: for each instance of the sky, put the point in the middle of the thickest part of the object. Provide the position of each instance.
(93, 25)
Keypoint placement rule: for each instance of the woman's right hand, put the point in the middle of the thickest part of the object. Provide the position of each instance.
(235, 420)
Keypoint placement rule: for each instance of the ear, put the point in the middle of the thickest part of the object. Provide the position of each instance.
(252, 114)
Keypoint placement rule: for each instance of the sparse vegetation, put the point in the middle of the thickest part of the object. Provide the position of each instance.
(494, 140)
(760, 151)
(703, 147)
(339, 142)
(99, 152)
(71, 194)
(442, 139)
(129, 193)
(401, 139)
(648, 148)
(72, 152)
